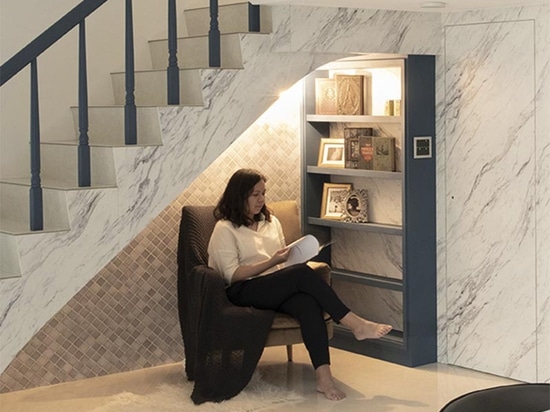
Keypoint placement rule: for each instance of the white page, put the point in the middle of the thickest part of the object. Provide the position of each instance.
(302, 250)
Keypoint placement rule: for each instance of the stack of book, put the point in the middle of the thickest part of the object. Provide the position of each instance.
(365, 151)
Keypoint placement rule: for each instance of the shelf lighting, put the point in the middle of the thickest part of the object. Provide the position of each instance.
(433, 5)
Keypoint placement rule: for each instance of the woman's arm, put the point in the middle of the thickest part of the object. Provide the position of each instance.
(247, 271)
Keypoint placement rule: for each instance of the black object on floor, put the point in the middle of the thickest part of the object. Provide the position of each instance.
(524, 397)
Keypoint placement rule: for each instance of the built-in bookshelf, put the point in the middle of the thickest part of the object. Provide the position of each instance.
(400, 227)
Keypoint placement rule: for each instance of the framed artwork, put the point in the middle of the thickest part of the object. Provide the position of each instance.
(331, 153)
(334, 195)
(355, 205)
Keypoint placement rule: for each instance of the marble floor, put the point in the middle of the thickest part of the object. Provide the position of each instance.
(370, 384)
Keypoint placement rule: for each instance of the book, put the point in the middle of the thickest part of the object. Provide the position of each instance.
(349, 94)
(351, 145)
(367, 94)
(351, 153)
(304, 249)
(365, 153)
(383, 153)
(325, 96)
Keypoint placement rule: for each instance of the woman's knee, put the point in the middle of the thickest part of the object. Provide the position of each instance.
(303, 271)
(303, 306)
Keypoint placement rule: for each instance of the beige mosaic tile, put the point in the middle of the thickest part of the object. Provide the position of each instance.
(126, 317)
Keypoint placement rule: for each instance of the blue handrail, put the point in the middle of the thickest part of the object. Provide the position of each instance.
(51, 35)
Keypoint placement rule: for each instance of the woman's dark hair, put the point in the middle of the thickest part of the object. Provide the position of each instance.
(232, 205)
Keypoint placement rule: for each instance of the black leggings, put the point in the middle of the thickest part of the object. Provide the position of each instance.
(299, 292)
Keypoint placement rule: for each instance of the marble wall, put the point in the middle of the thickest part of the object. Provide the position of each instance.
(495, 201)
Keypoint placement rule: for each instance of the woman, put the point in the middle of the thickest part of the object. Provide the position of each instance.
(247, 244)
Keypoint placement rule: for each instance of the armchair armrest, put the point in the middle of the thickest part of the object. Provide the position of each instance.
(322, 269)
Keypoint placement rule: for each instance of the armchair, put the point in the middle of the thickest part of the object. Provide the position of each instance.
(223, 342)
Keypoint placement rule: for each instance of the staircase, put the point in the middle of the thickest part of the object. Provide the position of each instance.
(86, 227)
(106, 131)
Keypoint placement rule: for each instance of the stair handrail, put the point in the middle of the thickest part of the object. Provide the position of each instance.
(50, 36)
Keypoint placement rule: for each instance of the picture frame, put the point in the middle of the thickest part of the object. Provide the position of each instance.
(331, 153)
(333, 198)
(355, 206)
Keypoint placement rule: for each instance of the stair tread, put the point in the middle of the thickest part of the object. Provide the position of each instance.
(114, 144)
(12, 227)
(220, 6)
(121, 106)
(181, 69)
(48, 183)
(206, 35)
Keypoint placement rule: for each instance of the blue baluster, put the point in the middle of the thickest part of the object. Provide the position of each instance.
(214, 54)
(36, 207)
(253, 17)
(130, 116)
(84, 168)
(173, 71)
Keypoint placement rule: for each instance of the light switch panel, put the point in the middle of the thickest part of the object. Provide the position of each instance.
(422, 147)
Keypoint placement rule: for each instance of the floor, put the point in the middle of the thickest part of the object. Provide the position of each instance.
(370, 385)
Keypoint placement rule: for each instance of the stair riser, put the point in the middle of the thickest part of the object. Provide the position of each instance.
(14, 209)
(60, 163)
(151, 88)
(106, 126)
(10, 265)
(193, 52)
(232, 19)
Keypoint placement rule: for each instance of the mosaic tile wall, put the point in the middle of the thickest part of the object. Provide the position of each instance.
(126, 317)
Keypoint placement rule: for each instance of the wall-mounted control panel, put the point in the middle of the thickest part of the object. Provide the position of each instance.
(422, 147)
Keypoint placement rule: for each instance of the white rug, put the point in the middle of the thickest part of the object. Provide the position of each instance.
(257, 396)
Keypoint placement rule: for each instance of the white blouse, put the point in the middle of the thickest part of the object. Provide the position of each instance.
(231, 247)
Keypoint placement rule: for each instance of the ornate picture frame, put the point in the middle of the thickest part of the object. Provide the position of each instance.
(355, 206)
(331, 153)
(333, 197)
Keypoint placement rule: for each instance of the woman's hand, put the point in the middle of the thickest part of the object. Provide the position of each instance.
(247, 271)
(280, 256)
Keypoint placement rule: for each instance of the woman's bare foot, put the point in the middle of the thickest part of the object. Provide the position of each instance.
(325, 384)
(364, 329)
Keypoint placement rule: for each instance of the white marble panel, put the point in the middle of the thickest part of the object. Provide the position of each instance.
(490, 184)
(440, 147)
(379, 305)
(361, 30)
(367, 252)
(542, 104)
(384, 198)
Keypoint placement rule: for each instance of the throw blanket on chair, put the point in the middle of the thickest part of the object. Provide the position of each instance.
(223, 342)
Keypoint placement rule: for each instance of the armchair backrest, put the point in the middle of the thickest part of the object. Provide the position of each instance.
(197, 224)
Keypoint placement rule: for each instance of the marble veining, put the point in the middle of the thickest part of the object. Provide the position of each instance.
(379, 305)
(382, 257)
(350, 30)
(490, 186)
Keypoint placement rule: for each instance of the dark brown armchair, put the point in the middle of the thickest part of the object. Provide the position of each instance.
(223, 342)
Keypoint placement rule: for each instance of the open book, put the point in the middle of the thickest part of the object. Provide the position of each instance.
(304, 249)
